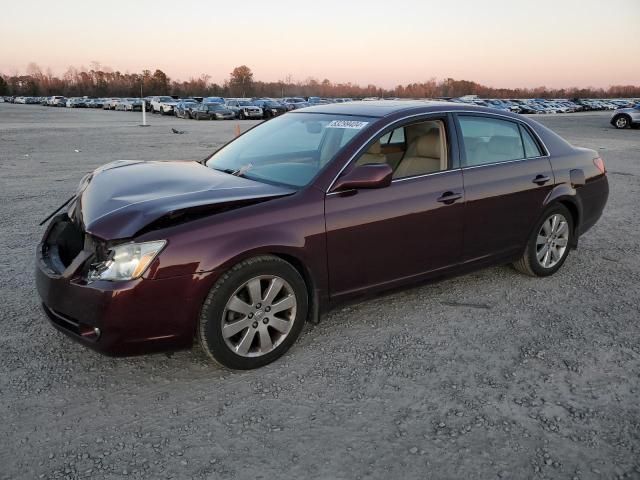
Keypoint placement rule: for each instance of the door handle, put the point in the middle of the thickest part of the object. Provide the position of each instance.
(449, 197)
(541, 179)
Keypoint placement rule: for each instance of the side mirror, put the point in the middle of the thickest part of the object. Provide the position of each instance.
(370, 175)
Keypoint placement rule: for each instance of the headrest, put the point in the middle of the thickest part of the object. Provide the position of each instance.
(375, 148)
(428, 145)
(504, 145)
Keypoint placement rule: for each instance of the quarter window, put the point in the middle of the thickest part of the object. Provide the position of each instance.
(489, 140)
(531, 148)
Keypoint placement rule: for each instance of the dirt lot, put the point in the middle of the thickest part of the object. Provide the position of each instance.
(489, 375)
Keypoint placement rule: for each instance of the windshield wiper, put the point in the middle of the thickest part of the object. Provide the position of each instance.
(242, 170)
(239, 172)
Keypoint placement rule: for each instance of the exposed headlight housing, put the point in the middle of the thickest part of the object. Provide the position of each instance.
(126, 261)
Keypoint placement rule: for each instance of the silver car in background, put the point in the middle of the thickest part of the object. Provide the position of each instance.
(626, 117)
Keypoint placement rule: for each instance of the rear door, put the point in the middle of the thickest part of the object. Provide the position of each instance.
(507, 175)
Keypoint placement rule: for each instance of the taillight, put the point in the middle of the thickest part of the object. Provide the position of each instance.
(599, 164)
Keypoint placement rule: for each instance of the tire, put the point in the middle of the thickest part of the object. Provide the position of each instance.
(621, 122)
(241, 115)
(530, 263)
(249, 327)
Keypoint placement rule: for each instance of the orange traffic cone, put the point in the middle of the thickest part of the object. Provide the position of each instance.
(237, 130)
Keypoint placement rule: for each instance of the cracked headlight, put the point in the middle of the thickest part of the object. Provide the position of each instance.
(126, 261)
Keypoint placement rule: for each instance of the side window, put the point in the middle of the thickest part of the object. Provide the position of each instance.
(531, 148)
(412, 150)
(490, 140)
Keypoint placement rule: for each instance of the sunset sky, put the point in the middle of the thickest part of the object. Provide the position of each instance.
(501, 43)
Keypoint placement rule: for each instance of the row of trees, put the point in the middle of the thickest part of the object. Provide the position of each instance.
(104, 82)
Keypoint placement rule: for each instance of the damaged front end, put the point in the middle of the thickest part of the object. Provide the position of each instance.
(67, 251)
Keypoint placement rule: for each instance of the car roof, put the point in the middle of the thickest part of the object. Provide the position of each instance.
(382, 108)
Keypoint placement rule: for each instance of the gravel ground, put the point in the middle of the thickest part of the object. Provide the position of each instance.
(488, 375)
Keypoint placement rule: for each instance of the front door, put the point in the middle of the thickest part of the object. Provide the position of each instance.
(376, 237)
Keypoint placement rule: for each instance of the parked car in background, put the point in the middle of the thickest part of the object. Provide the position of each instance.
(184, 108)
(270, 108)
(294, 103)
(163, 105)
(212, 111)
(76, 102)
(626, 117)
(56, 100)
(243, 108)
(129, 105)
(110, 103)
(97, 103)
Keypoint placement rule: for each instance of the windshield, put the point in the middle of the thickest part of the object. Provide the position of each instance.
(165, 99)
(289, 150)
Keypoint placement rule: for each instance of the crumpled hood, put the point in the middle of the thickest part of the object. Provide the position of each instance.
(119, 199)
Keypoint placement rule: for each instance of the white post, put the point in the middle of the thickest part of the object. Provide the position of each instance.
(144, 113)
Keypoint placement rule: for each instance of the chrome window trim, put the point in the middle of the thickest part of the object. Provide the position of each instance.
(470, 167)
(480, 113)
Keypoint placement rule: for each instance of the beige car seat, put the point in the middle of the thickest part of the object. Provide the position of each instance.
(373, 155)
(425, 154)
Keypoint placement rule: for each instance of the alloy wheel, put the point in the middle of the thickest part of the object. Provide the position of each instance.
(552, 240)
(259, 315)
(621, 122)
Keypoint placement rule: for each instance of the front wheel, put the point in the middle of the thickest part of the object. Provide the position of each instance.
(253, 313)
(621, 122)
(549, 244)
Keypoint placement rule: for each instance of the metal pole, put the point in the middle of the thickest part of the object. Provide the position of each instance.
(144, 104)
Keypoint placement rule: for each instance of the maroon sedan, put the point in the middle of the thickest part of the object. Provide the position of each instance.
(317, 206)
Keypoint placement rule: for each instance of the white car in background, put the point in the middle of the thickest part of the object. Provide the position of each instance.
(163, 104)
(110, 103)
(56, 100)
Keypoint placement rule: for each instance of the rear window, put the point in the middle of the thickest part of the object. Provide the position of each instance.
(490, 140)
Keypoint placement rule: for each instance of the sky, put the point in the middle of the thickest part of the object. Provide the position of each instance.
(500, 43)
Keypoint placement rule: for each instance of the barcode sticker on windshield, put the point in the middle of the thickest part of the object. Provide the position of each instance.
(347, 124)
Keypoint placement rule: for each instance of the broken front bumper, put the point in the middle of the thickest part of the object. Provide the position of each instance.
(116, 318)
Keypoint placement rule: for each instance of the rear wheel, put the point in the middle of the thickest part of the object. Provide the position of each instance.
(549, 245)
(254, 313)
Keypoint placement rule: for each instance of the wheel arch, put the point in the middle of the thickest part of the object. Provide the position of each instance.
(312, 290)
(289, 255)
(566, 196)
(621, 114)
